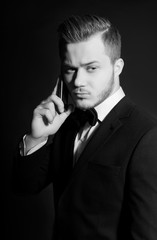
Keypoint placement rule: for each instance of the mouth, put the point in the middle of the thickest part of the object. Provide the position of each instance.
(81, 95)
(78, 92)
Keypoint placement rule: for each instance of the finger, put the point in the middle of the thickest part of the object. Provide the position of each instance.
(66, 113)
(45, 114)
(51, 107)
(58, 103)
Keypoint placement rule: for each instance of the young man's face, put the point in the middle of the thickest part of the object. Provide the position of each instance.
(88, 72)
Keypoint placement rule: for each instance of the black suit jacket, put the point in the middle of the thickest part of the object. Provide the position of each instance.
(111, 193)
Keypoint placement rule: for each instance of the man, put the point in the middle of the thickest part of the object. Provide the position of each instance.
(104, 170)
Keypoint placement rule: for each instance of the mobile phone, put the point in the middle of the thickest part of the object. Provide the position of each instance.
(63, 92)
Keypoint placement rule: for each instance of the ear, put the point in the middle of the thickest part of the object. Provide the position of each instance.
(118, 66)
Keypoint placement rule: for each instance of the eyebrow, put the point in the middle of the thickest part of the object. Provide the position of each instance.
(83, 64)
(89, 63)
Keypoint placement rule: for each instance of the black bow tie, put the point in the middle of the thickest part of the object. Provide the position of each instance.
(81, 117)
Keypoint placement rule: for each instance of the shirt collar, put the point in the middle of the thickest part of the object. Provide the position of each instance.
(107, 105)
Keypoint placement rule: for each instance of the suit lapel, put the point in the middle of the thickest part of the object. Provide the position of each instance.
(106, 129)
(103, 133)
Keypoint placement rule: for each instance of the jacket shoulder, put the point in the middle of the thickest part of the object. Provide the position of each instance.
(137, 117)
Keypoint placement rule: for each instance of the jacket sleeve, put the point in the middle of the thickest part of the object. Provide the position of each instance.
(31, 172)
(143, 188)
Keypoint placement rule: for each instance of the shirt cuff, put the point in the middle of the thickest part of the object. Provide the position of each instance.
(23, 149)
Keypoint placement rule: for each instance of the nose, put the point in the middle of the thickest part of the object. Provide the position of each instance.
(79, 78)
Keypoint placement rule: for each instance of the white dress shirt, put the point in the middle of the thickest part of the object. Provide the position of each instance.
(86, 132)
(102, 111)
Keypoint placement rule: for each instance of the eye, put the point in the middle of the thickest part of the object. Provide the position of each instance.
(69, 70)
(92, 68)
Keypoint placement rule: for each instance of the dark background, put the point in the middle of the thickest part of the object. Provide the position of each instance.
(31, 66)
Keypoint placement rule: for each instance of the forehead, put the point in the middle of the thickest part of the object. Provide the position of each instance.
(92, 49)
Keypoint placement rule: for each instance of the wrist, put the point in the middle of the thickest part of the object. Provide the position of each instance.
(30, 142)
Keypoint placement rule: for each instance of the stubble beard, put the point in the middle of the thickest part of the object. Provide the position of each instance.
(103, 95)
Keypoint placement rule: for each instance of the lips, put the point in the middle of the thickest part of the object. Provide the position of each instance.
(81, 95)
(79, 91)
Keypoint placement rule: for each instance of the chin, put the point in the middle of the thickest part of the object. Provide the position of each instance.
(84, 104)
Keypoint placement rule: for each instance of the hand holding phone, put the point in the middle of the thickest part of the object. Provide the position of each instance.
(50, 114)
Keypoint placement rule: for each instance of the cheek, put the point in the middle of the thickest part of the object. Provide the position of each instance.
(67, 78)
(68, 85)
(103, 82)
(100, 80)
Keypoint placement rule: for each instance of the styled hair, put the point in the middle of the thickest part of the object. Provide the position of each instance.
(80, 28)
